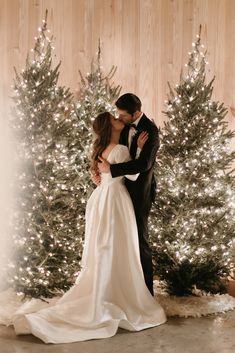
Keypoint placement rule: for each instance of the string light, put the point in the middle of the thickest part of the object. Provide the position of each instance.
(61, 166)
(194, 214)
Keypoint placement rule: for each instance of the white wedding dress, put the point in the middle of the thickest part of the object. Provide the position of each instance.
(110, 291)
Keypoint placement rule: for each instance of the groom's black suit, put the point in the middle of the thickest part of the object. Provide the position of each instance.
(143, 190)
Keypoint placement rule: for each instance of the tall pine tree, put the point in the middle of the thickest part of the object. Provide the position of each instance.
(45, 234)
(97, 94)
(193, 218)
(53, 140)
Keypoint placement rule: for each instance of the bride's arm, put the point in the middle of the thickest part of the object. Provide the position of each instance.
(145, 160)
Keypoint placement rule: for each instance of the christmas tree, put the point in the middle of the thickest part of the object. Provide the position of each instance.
(53, 140)
(193, 218)
(97, 94)
(46, 237)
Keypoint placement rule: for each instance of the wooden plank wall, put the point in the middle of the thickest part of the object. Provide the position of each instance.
(148, 40)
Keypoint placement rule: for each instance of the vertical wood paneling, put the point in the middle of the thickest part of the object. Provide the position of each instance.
(148, 40)
(229, 64)
(147, 53)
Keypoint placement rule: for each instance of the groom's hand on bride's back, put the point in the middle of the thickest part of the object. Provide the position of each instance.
(103, 165)
(96, 178)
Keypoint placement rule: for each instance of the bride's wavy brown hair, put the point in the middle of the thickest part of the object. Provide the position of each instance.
(102, 128)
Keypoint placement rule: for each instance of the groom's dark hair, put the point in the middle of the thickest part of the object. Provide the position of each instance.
(129, 102)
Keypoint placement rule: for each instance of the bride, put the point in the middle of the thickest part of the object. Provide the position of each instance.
(110, 291)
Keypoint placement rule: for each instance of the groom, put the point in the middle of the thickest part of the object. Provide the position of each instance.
(143, 190)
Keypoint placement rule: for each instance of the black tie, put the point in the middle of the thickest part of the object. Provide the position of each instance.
(134, 126)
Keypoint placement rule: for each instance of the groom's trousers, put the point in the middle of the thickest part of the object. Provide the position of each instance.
(145, 250)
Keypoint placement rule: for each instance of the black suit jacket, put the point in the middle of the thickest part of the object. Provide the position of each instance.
(143, 190)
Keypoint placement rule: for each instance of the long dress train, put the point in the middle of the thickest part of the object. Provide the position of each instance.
(110, 291)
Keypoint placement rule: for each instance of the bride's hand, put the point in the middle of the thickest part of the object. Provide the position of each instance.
(143, 137)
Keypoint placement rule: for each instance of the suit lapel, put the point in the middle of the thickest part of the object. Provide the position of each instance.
(142, 122)
(133, 147)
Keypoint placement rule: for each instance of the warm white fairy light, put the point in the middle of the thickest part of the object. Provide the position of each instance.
(66, 165)
(189, 177)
